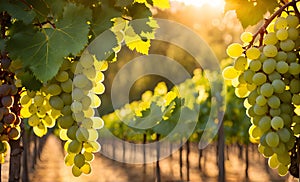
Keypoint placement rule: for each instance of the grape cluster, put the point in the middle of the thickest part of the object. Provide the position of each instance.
(266, 73)
(74, 92)
(9, 109)
(37, 109)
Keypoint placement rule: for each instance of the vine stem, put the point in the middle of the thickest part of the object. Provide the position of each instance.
(263, 28)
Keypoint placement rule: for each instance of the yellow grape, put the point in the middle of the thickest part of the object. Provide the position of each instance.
(230, 73)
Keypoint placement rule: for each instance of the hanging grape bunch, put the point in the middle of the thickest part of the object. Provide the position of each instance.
(266, 73)
(9, 108)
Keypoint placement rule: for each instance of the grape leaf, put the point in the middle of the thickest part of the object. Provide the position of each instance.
(244, 10)
(43, 52)
(102, 16)
(29, 81)
(17, 10)
(103, 51)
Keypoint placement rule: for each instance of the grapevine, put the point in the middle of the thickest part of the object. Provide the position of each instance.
(266, 73)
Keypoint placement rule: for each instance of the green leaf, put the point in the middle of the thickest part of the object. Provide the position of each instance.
(102, 16)
(104, 51)
(41, 8)
(140, 15)
(43, 52)
(29, 81)
(249, 12)
(17, 10)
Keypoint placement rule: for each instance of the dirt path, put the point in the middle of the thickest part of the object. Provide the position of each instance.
(51, 168)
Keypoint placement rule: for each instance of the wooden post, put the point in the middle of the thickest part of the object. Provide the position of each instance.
(15, 160)
(221, 145)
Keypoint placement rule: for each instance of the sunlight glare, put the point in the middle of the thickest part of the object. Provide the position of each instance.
(199, 3)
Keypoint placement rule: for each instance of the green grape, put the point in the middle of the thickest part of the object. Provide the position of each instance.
(270, 51)
(253, 53)
(34, 120)
(79, 160)
(241, 91)
(71, 133)
(284, 135)
(293, 33)
(292, 21)
(294, 69)
(77, 94)
(255, 65)
(48, 121)
(86, 60)
(90, 73)
(78, 117)
(270, 39)
(282, 67)
(267, 151)
(98, 123)
(295, 86)
(65, 122)
(287, 108)
(69, 159)
(76, 107)
(74, 147)
(246, 37)
(274, 102)
(87, 123)
(93, 134)
(291, 57)
(38, 100)
(99, 88)
(269, 66)
(25, 99)
(261, 100)
(80, 81)
(282, 170)
(281, 23)
(248, 76)
(76, 171)
(67, 86)
(88, 156)
(82, 134)
(296, 129)
(282, 34)
(54, 89)
(287, 45)
(272, 139)
(274, 76)
(273, 162)
(259, 78)
(96, 102)
(56, 102)
(86, 102)
(66, 110)
(275, 112)
(296, 99)
(66, 98)
(260, 110)
(277, 123)
(62, 76)
(286, 118)
(40, 130)
(281, 56)
(266, 90)
(86, 168)
(234, 50)
(284, 158)
(91, 146)
(265, 123)
(280, 149)
(285, 97)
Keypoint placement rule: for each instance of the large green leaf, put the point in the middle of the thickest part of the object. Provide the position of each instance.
(43, 51)
(250, 12)
(102, 16)
(17, 10)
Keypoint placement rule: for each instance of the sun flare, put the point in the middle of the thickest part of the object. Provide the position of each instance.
(199, 3)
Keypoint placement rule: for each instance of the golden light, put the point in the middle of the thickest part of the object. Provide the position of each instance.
(218, 4)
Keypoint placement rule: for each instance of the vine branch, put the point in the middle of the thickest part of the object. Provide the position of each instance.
(262, 30)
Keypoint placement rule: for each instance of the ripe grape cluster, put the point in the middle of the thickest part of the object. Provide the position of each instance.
(74, 91)
(9, 109)
(266, 73)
